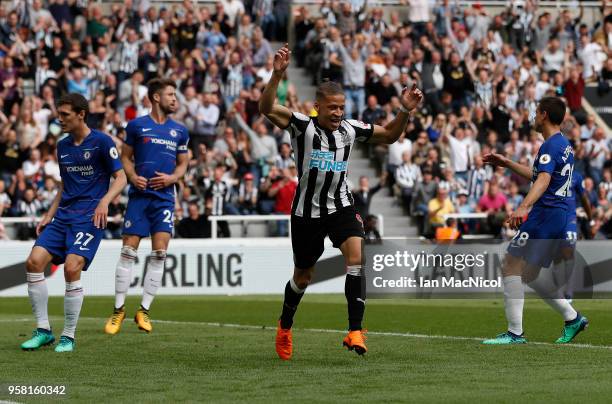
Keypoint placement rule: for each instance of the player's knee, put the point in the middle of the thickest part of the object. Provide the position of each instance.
(34, 265)
(303, 277)
(73, 267)
(530, 274)
(567, 254)
(512, 266)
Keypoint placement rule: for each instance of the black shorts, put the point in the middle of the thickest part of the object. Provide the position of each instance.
(308, 235)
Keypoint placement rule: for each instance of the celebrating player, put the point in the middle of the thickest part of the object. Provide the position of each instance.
(72, 229)
(542, 220)
(323, 205)
(158, 146)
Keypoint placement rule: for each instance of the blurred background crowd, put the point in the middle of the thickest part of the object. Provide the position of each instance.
(482, 73)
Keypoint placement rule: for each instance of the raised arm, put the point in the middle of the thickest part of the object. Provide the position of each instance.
(278, 114)
(393, 130)
(496, 159)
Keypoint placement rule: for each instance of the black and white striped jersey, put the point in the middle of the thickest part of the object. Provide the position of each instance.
(220, 193)
(322, 162)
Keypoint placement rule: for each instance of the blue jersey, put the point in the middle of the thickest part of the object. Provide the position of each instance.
(577, 191)
(156, 147)
(555, 157)
(86, 171)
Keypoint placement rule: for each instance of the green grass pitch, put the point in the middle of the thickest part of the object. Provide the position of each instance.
(189, 358)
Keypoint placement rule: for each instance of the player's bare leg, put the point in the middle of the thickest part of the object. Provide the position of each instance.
(514, 299)
(73, 301)
(37, 292)
(547, 287)
(354, 290)
(294, 290)
(123, 277)
(155, 272)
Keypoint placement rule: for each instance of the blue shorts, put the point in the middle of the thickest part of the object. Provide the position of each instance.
(571, 233)
(61, 238)
(146, 216)
(539, 238)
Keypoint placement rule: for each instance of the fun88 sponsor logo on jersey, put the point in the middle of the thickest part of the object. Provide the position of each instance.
(325, 161)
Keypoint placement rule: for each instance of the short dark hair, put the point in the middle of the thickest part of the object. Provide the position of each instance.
(76, 101)
(158, 84)
(328, 88)
(554, 108)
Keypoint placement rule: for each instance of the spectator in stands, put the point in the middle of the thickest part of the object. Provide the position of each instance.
(437, 208)
(587, 129)
(396, 151)
(283, 192)
(370, 228)
(195, 225)
(573, 91)
(407, 176)
(460, 148)
(363, 195)
(598, 152)
(285, 158)
(219, 193)
(29, 206)
(373, 113)
(247, 196)
(493, 203)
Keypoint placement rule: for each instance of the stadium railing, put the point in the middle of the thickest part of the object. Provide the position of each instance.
(244, 219)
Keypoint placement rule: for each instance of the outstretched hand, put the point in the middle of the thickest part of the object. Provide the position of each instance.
(281, 59)
(411, 99)
(494, 159)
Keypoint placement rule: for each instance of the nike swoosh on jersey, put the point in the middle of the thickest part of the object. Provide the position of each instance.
(146, 129)
(64, 155)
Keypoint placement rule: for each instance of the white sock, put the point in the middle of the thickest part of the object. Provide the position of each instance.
(546, 287)
(39, 297)
(514, 298)
(155, 271)
(123, 274)
(73, 300)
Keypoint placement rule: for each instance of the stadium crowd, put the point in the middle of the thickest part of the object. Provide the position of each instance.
(482, 74)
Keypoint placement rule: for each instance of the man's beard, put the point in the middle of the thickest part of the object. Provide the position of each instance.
(166, 109)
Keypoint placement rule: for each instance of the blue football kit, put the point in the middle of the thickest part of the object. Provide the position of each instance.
(156, 147)
(85, 170)
(537, 240)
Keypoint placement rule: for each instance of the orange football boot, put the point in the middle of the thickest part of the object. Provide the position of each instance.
(355, 340)
(284, 343)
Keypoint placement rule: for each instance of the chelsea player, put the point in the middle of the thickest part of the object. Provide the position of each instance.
(158, 147)
(542, 222)
(72, 229)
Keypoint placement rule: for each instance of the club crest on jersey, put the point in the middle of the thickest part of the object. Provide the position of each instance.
(173, 133)
(545, 159)
(128, 224)
(87, 155)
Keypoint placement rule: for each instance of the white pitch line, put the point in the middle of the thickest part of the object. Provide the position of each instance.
(329, 331)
